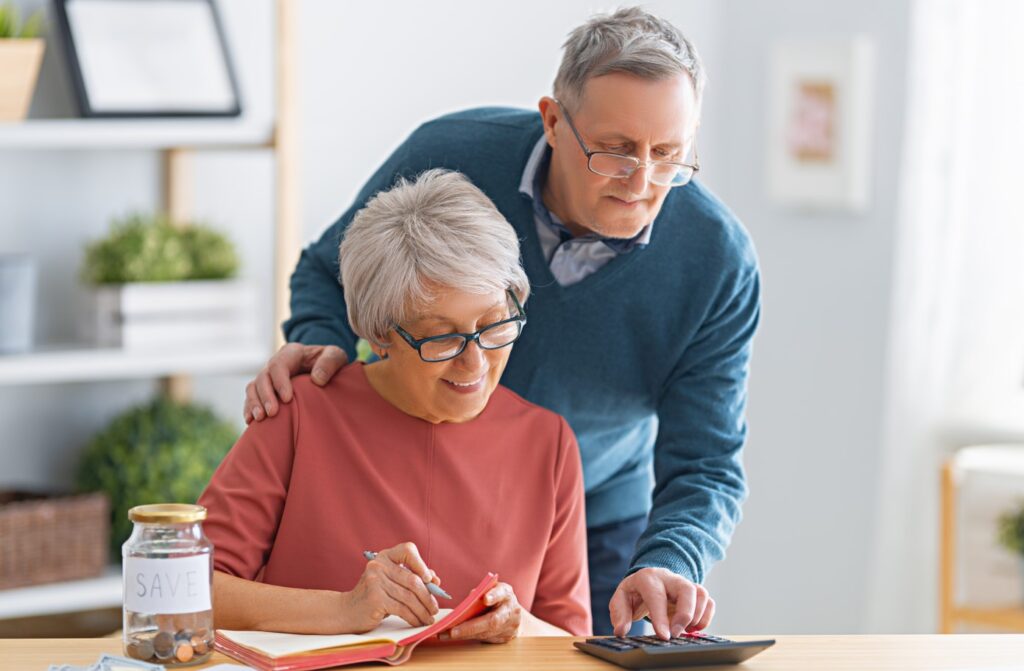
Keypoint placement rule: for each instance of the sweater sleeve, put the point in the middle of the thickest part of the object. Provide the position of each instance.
(699, 478)
(563, 588)
(246, 495)
(319, 315)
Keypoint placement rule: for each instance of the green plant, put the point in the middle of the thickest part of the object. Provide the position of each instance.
(149, 248)
(155, 453)
(1011, 529)
(363, 351)
(11, 26)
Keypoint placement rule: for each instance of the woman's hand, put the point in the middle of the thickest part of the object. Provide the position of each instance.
(499, 624)
(391, 584)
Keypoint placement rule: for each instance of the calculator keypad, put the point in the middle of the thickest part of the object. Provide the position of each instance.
(622, 643)
(692, 649)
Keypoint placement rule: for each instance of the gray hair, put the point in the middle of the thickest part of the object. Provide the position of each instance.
(438, 230)
(631, 40)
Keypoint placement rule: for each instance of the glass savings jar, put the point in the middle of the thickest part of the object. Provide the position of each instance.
(168, 580)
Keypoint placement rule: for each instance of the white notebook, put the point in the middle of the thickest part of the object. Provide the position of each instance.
(273, 644)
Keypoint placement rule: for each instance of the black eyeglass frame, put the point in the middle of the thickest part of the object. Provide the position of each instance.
(417, 344)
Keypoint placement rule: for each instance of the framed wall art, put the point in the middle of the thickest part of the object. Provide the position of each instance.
(148, 58)
(820, 124)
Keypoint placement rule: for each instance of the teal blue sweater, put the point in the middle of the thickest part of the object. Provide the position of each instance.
(647, 358)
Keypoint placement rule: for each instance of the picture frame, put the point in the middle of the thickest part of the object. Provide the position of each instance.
(820, 124)
(148, 58)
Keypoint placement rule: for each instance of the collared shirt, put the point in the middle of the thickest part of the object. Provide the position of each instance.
(571, 258)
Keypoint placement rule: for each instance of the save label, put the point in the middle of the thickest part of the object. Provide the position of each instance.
(168, 585)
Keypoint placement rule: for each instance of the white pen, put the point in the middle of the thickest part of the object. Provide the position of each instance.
(431, 587)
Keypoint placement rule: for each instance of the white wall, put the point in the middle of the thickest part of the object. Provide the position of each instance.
(371, 72)
(799, 561)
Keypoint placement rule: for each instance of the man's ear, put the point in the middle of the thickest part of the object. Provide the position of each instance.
(551, 115)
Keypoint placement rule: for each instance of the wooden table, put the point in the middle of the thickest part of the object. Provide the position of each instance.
(790, 653)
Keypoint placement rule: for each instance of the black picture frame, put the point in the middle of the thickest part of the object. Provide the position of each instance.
(89, 108)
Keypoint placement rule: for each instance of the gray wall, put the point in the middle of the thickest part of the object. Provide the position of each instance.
(800, 559)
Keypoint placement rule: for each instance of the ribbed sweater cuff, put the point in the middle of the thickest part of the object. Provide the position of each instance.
(674, 561)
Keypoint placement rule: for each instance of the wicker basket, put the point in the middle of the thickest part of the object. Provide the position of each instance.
(49, 539)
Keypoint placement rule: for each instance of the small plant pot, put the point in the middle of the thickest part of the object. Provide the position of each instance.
(19, 69)
(172, 315)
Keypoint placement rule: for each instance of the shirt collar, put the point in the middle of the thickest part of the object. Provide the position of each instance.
(531, 185)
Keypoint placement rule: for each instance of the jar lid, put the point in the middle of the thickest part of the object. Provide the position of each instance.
(167, 513)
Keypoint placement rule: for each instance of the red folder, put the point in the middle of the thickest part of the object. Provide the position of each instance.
(368, 649)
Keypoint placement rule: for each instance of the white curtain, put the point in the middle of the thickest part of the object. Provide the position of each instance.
(956, 354)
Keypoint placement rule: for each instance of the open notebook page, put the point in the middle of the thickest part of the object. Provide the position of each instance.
(274, 644)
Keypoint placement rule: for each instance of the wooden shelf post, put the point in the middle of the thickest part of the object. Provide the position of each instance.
(947, 550)
(286, 143)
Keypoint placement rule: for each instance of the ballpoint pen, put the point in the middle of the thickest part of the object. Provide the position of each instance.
(431, 587)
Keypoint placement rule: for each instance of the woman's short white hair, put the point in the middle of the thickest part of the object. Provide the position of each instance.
(436, 231)
(630, 40)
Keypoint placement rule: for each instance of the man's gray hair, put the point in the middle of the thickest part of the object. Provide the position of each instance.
(631, 40)
(436, 231)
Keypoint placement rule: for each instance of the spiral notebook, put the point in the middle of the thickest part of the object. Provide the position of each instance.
(391, 643)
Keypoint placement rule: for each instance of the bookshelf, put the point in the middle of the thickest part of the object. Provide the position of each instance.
(78, 364)
(72, 596)
(100, 134)
(176, 141)
(1001, 459)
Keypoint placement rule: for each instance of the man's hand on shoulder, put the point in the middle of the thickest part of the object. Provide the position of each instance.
(673, 603)
(273, 385)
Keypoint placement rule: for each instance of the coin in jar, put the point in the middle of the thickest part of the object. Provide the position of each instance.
(163, 644)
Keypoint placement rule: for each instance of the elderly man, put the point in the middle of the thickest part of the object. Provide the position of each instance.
(645, 301)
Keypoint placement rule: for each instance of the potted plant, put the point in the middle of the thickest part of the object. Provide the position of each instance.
(21, 53)
(155, 284)
(1011, 534)
(160, 452)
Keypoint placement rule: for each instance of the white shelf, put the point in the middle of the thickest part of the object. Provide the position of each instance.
(87, 364)
(63, 597)
(134, 133)
(999, 459)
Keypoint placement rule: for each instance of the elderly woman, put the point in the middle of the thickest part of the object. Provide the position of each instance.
(421, 455)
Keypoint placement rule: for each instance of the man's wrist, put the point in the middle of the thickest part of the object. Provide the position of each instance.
(670, 560)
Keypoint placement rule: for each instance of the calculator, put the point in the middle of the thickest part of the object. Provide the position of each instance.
(650, 652)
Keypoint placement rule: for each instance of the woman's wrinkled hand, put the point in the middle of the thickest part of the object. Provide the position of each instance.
(499, 624)
(391, 584)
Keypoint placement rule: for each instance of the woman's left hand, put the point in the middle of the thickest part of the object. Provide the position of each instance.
(499, 624)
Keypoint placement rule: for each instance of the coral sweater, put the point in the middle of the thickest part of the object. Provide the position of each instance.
(340, 470)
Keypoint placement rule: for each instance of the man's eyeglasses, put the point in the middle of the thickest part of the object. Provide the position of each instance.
(450, 345)
(620, 166)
